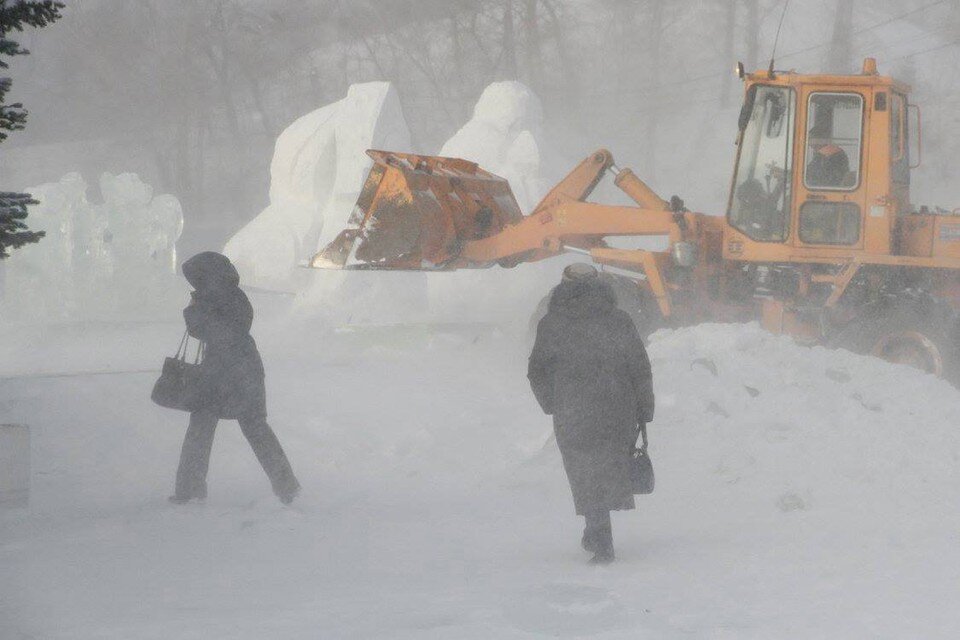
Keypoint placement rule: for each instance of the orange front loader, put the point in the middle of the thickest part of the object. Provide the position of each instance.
(819, 239)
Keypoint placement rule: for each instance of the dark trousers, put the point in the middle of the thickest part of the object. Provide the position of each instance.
(195, 455)
(599, 528)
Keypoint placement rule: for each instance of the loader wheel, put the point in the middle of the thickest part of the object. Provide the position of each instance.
(911, 348)
(922, 334)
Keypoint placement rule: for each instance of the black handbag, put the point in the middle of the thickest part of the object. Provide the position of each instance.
(641, 468)
(179, 384)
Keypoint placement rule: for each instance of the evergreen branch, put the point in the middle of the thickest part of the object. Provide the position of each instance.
(13, 230)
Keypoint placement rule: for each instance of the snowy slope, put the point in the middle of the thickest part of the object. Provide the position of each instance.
(821, 502)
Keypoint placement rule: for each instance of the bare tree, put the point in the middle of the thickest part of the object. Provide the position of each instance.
(509, 41)
(655, 31)
(729, 42)
(753, 33)
(840, 54)
(533, 53)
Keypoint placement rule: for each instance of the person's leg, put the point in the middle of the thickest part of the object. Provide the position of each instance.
(274, 461)
(195, 457)
(594, 521)
(600, 533)
(588, 541)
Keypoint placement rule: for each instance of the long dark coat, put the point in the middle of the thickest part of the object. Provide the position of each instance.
(219, 314)
(590, 371)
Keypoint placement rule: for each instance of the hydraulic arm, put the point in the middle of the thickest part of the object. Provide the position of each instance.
(432, 213)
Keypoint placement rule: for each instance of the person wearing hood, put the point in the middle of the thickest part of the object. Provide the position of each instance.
(590, 371)
(231, 381)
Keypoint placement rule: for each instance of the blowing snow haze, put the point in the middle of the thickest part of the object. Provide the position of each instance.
(805, 348)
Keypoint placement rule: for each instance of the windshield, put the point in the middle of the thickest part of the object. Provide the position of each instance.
(759, 204)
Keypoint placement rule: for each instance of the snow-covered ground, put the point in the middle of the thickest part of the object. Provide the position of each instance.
(801, 493)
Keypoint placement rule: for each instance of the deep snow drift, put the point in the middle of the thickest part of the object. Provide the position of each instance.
(800, 493)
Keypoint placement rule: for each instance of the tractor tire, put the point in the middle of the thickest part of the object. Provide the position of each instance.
(920, 332)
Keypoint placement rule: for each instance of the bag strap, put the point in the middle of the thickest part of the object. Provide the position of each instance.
(184, 346)
(201, 350)
(182, 349)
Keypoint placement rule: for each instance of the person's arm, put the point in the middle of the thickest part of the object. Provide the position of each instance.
(218, 317)
(540, 367)
(638, 368)
(197, 317)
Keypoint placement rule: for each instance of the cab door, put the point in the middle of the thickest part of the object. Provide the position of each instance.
(830, 184)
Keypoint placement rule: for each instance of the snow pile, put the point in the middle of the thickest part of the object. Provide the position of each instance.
(319, 165)
(111, 260)
(755, 420)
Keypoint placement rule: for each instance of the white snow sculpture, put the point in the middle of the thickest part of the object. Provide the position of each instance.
(111, 260)
(39, 279)
(138, 244)
(319, 165)
(502, 137)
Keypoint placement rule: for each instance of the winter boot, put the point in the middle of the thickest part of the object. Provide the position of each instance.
(286, 496)
(200, 494)
(588, 541)
(603, 552)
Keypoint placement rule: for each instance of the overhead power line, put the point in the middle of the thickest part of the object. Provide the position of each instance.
(870, 27)
(931, 49)
(717, 74)
(892, 19)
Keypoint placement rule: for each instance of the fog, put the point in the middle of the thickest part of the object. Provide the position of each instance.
(191, 95)
(789, 503)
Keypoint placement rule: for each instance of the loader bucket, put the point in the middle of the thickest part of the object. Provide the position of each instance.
(416, 212)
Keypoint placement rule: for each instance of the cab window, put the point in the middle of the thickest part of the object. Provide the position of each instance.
(829, 223)
(760, 201)
(834, 138)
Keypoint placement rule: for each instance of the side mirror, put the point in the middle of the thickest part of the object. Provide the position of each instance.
(740, 71)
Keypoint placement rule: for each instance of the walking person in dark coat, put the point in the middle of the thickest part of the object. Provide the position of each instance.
(590, 371)
(231, 382)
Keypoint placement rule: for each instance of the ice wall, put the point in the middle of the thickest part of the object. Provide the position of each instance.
(112, 260)
(319, 165)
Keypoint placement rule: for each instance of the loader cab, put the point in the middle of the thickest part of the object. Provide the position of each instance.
(822, 167)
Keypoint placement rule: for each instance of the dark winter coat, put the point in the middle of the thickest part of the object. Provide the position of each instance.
(220, 315)
(590, 371)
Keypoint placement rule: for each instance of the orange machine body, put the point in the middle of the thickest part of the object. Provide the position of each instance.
(819, 230)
